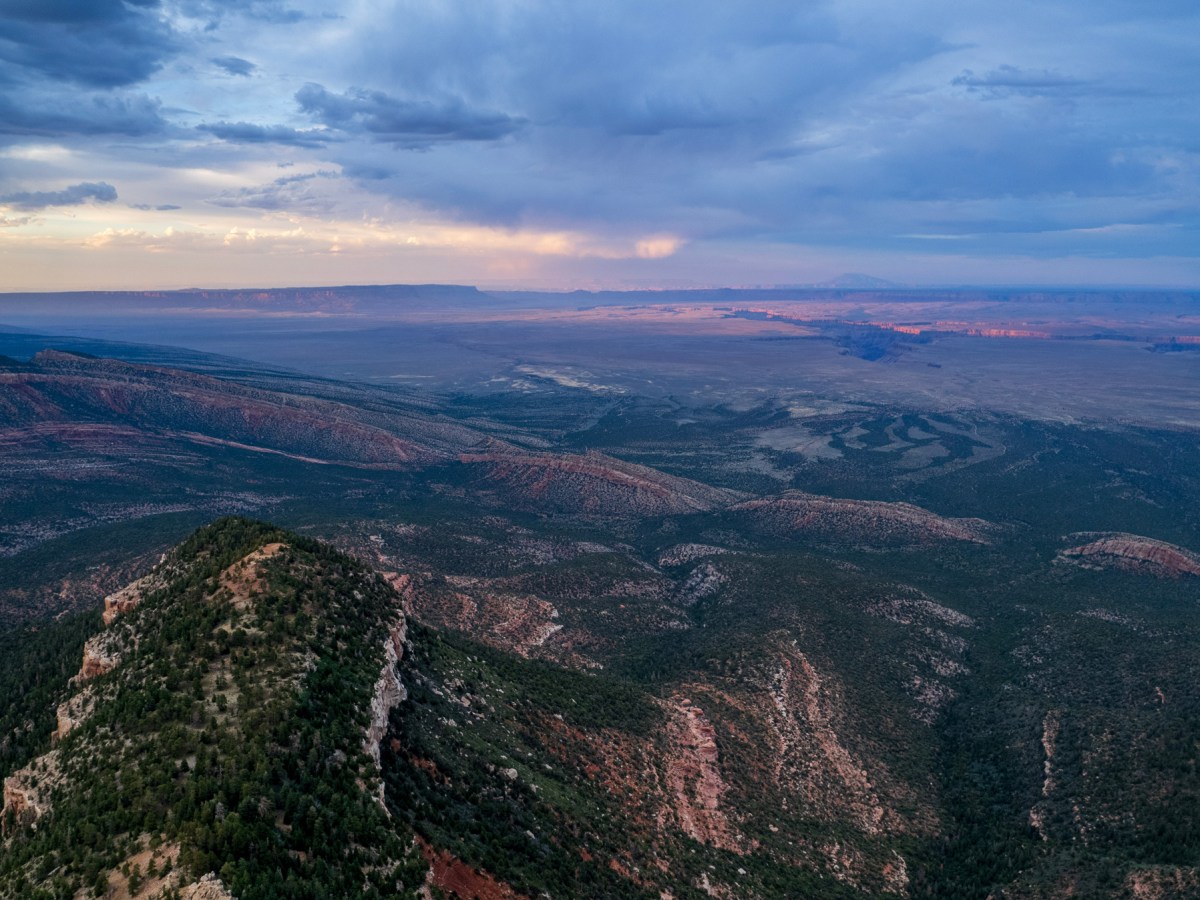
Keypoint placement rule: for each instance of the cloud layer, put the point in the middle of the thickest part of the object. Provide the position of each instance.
(675, 142)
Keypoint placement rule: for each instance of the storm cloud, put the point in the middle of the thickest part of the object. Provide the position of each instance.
(250, 133)
(42, 114)
(406, 123)
(99, 191)
(935, 131)
(95, 43)
(234, 65)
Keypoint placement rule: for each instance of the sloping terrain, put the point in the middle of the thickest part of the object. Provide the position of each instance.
(593, 484)
(868, 522)
(1133, 553)
(646, 651)
(67, 398)
(222, 723)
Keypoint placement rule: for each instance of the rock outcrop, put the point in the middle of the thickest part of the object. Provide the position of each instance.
(101, 654)
(245, 578)
(128, 598)
(27, 791)
(871, 522)
(812, 758)
(682, 554)
(389, 691)
(207, 888)
(693, 777)
(703, 582)
(73, 713)
(1132, 553)
(593, 484)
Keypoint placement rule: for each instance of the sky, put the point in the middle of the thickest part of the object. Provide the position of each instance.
(562, 144)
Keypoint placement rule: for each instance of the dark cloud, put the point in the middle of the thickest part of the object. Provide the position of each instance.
(234, 65)
(365, 171)
(95, 43)
(1008, 80)
(99, 191)
(39, 113)
(249, 133)
(162, 207)
(274, 12)
(829, 123)
(405, 123)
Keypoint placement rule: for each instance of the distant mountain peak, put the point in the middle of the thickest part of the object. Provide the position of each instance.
(858, 281)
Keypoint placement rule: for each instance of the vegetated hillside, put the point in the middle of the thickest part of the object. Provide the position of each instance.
(976, 683)
(66, 398)
(225, 722)
(591, 484)
(545, 782)
(867, 522)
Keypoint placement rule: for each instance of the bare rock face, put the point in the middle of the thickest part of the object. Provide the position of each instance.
(693, 777)
(865, 521)
(73, 713)
(207, 888)
(812, 759)
(1133, 553)
(128, 598)
(101, 654)
(27, 791)
(245, 578)
(389, 691)
(522, 623)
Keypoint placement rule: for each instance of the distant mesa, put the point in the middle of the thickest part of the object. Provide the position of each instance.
(855, 281)
(870, 522)
(1131, 553)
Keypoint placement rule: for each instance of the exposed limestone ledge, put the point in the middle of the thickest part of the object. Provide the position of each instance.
(27, 791)
(101, 654)
(389, 693)
(207, 888)
(73, 713)
(127, 598)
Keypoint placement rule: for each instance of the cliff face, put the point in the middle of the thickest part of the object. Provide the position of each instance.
(27, 791)
(389, 691)
(129, 597)
(207, 888)
(1133, 553)
(72, 713)
(869, 522)
(101, 654)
